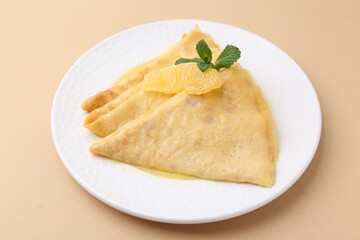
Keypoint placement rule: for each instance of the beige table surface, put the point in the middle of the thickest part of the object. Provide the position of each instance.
(40, 40)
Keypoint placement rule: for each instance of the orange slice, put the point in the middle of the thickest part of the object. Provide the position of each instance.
(183, 77)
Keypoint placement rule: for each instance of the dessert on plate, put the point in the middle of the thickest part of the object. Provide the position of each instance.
(195, 117)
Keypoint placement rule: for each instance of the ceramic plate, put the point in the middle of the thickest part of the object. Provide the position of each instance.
(289, 92)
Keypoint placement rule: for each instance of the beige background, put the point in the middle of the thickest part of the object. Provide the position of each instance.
(40, 40)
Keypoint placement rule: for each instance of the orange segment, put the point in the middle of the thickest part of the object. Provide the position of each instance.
(183, 77)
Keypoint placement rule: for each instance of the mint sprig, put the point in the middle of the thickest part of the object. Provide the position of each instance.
(226, 58)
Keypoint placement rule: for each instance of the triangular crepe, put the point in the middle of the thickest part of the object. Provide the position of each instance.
(226, 134)
(184, 48)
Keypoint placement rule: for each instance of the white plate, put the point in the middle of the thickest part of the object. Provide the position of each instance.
(291, 97)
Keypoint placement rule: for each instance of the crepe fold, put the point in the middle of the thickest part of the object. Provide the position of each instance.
(184, 48)
(126, 101)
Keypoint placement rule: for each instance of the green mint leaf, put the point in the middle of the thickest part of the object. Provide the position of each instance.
(227, 57)
(204, 51)
(203, 66)
(187, 60)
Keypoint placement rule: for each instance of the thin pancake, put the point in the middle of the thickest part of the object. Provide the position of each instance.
(226, 134)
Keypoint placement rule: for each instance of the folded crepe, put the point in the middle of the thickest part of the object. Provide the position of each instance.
(184, 48)
(226, 134)
(132, 103)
